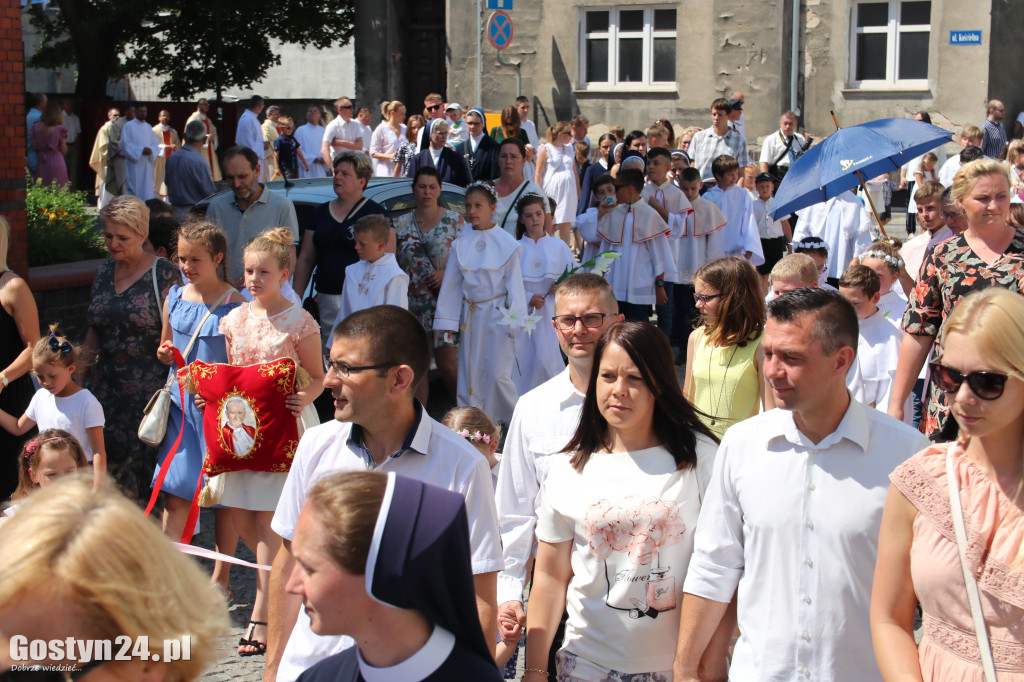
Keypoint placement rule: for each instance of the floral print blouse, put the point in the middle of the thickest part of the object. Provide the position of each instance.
(421, 254)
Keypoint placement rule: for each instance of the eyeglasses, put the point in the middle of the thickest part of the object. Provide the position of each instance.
(344, 370)
(590, 321)
(986, 385)
(40, 673)
(701, 299)
(433, 107)
(821, 269)
(286, 127)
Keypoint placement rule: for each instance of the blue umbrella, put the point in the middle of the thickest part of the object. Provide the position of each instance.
(844, 159)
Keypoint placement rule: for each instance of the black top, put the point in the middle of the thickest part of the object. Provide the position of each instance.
(14, 400)
(336, 244)
(587, 180)
(485, 159)
(450, 165)
(461, 665)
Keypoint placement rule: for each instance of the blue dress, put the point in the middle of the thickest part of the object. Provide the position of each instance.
(210, 347)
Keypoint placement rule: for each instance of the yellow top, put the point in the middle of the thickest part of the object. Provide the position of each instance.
(725, 382)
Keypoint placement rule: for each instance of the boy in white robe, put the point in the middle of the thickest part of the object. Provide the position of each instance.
(841, 222)
(376, 279)
(636, 231)
(741, 237)
(665, 197)
(870, 378)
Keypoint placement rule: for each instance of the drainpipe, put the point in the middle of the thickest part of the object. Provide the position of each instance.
(519, 72)
(793, 67)
(479, 55)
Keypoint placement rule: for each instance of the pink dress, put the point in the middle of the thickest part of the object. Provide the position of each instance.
(254, 340)
(995, 531)
(51, 166)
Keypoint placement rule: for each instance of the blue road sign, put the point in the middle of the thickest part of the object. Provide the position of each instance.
(965, 37)
(499, 29)
(499, 4)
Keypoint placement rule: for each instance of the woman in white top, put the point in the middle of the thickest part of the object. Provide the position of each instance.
(616, 520)
(387, 138)
(556, 174)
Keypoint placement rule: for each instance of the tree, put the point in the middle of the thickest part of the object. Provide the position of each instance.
(175, 39)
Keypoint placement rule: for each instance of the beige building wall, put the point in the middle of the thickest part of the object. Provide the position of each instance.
(723, 45)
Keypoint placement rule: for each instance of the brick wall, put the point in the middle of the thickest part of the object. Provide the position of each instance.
(12, 142)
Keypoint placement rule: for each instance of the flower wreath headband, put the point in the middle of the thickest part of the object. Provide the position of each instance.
(484, 186)
(475, 437)
(34, 445)
(882, 256)
(810, 244)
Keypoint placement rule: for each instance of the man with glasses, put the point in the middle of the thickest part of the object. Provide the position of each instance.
(343, 132)
(480, 150)
(789, 525)
(377, 359)
(543, 422)
(994, 140)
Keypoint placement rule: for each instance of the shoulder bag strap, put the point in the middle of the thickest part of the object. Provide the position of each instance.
(973, 597)
(514, 202)
(195, 334)
(789, 143)
(156, 288)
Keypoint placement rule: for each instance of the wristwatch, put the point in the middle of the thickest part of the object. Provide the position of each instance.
(659, 283)
(4, 380)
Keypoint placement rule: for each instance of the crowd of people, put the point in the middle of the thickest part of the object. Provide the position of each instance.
(776, 501)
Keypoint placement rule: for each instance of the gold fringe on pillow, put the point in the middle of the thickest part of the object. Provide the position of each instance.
(302, 378)
(187, 382)
(212, 492)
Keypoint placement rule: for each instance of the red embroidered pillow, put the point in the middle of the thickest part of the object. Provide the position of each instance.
(246, 423)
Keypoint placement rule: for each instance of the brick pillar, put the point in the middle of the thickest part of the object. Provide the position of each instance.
(12, 143)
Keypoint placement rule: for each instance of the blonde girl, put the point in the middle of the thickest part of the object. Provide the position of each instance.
(725, 369)
(556, 175)
(263, 330)
(60, 403)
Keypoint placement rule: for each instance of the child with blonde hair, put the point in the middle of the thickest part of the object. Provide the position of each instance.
(60, 403)
(265, 329)
(287, 150)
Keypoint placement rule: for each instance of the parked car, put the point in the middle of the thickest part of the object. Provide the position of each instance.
(394, 194)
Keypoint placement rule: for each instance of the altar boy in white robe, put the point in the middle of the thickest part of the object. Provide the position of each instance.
(376, 279)
(636, 231)
(741, 237)
(668, 200)
(842, 223)
(870, 378)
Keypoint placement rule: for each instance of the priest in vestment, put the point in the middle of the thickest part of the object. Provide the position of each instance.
(140, 146)
(168, 142)
(115, 175)
(209, 151)
(98, 157)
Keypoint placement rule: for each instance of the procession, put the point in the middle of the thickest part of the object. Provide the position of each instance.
(421, 390)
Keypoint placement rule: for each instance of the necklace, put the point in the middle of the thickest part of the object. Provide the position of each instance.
(725, 377)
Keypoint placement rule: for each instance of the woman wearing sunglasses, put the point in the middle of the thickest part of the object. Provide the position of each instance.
(980, 369)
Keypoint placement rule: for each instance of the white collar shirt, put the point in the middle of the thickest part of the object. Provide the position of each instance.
(794, 526)
(432, 453)
(773, 149)
(543, 422)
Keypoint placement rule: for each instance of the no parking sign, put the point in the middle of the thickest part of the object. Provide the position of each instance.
(499, 29)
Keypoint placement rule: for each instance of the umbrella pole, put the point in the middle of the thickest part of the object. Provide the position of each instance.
(860, 176)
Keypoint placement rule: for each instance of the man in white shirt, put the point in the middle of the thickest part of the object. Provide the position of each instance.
(378, 425)
(789, 525)
(311, 136)
(250, 132)
(543, 422)
(781, 148)
(970, 136)
(140, 146)
(343, 132)
(363, 119)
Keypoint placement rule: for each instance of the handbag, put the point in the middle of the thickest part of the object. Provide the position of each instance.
(973, 597)
(153, 426)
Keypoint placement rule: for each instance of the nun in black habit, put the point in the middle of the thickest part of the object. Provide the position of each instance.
(385, 559)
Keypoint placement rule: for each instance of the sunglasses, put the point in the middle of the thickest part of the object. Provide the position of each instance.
(985, 385)
(346, 106)
(433, 107)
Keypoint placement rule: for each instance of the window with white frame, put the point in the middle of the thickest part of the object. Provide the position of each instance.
(889, 44)
(632, 47)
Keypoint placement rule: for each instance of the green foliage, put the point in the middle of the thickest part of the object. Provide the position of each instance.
(59, 228)
(176, 39)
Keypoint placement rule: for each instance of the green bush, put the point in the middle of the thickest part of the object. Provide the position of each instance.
(59, 228)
